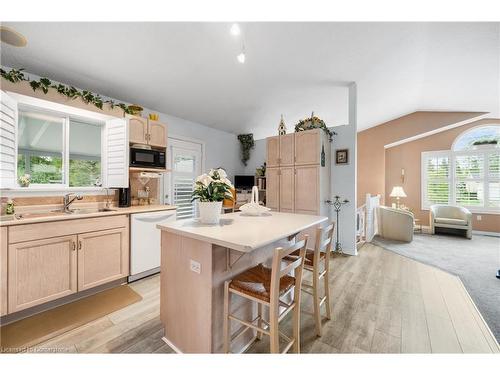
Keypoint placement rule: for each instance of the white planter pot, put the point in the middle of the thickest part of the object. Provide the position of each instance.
(210, 212)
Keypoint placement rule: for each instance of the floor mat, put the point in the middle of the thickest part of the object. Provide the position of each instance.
(20, 335)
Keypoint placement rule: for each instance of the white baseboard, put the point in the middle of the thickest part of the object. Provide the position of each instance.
(484, 233)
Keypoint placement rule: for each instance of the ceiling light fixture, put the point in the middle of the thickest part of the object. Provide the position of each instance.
(10, 36)
(235, 29)
(241, 58)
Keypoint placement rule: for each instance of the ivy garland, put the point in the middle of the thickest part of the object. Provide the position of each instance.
(44, 84)
(247, 143)
(314, 122)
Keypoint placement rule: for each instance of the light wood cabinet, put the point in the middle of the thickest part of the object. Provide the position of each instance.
(308, 147)
(47, 261)
(145, 131)
(3, 270)
(138, 129)
(273, 152)
(157, 134)
(303, 185)
(272, 188)
(102, 257)
(287, 150)
(41, 271)
(307, 188)
(286, 190)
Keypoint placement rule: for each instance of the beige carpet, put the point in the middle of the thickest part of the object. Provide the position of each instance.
(20, 335)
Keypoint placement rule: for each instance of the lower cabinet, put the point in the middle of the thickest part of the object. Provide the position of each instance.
(41, 271)
(102, 257)
(3, 270)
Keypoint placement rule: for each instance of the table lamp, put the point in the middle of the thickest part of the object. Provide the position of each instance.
(397, 192)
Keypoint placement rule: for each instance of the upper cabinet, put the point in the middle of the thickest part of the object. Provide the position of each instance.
(145, 131)
(138, 129)
(157, 134)
(287, 147)
(273, 152)
(308, 147)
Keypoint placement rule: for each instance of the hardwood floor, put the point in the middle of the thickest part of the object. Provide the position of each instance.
(382, 303)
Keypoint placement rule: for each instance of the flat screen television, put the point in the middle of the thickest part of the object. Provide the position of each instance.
(244, 182)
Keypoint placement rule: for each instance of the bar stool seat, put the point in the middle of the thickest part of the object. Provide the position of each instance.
(256, 282)
(309, 259)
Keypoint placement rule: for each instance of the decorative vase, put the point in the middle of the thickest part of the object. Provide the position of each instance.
(210, 212)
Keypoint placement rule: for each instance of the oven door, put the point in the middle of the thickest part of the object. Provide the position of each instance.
(145, 158)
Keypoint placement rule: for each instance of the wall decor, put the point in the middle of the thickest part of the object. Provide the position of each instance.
(342, 156)
(44, 84)
(282, 127)
(337, 206)
(314, 122)
(247, 143)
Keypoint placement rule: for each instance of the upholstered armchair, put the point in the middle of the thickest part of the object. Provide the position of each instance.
(394, 224)
(445, 216)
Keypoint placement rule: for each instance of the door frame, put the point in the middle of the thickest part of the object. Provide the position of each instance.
(166, 177)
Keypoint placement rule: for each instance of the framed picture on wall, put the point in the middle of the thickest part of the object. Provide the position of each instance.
(342, 156)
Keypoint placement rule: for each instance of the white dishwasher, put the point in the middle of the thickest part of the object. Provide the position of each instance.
(145, 242)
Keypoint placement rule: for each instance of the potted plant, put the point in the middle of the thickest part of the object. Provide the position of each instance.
(210, 190)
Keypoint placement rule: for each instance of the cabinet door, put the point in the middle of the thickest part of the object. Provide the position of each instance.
(41, 271)
(157, 134)
(102, 257)
(307, 189)
(273, 152)
(3, 271)
(307, 147)
(286, 189)
(272, 188)
(287, 155)
(138, 129)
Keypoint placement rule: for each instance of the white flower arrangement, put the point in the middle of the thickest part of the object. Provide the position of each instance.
(213, 186)
(24, 180)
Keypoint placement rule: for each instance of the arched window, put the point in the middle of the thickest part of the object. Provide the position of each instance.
(480, 138)
(467, 175)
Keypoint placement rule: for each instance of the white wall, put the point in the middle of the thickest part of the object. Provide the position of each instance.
(344, 185)
(222, 149)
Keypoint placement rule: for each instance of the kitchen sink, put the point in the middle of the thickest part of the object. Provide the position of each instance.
(76, 211)
(81, 211)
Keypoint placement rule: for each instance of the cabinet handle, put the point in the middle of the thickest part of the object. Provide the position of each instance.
(79, 244)
(73, 245)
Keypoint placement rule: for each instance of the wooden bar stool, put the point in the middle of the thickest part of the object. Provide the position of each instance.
(317, 261)
(266, 286)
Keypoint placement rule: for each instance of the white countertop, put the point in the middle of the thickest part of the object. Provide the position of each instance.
(244, 233)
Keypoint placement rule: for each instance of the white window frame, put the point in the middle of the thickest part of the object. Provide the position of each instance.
(65, 147)
(74, 112)
(452, 155)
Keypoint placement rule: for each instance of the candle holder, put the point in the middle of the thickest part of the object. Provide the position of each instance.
(337, 205)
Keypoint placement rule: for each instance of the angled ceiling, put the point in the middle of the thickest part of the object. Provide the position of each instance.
(189, 70)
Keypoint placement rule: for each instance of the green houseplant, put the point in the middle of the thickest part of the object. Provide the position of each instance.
(210, 190)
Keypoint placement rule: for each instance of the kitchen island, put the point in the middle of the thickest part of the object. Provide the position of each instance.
(196, 259)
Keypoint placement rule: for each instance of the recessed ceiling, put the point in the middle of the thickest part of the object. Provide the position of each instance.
(190, 70)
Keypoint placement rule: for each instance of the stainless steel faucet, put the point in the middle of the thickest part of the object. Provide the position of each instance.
(68, 200)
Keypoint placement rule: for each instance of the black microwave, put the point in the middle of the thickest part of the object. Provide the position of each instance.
(147, 158)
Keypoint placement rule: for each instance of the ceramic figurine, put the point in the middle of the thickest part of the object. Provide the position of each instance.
(282, 127)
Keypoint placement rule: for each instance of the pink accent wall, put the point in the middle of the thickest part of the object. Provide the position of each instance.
(408, 156)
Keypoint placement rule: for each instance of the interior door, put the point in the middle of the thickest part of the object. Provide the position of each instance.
(272, 188)
(185, 161)
(287, 189)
